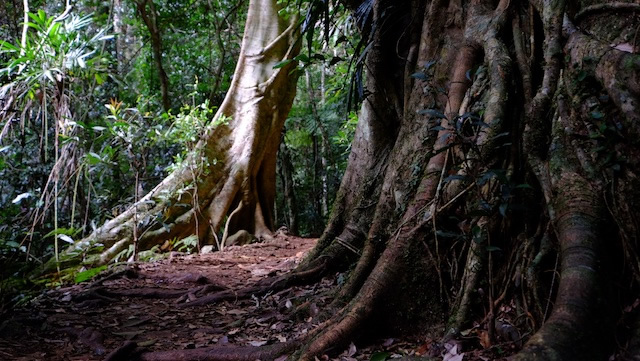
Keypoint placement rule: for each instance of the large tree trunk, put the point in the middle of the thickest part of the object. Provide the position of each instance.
(469, 105)
(231, 172)
(461, 148)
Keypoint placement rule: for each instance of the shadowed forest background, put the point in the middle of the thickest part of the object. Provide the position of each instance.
(469, 169)
(125, 134)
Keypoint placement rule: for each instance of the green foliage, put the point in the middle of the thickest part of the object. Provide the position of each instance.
(187, 244)
(149, 255)
(322, 122)
(380, 356)
(45, 83)
(345, 134)
(88, 274)
(199, 39)
(187, 128)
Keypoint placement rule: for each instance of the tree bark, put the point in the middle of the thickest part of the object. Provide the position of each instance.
(290, 205)
(150, 19)
(233, 165)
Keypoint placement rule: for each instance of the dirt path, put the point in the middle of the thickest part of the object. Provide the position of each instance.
(89, 320)
(144, 304)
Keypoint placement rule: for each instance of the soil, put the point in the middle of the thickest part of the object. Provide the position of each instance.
(145, 303)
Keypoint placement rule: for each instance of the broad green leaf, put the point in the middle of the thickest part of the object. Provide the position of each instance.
(302, 57)
(12, 244)
(282, 63)
(66, 238)
(6, 46)
(380, 356)
(89, 274)
(93, 158)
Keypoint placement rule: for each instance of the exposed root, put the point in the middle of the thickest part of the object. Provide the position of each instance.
(261, 287)
(225, 234)
(123, 353)
(606, 7)
(633, 350)
(571, 333)
(145, 292)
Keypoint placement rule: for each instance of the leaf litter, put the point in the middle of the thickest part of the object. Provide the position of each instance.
(81, 322)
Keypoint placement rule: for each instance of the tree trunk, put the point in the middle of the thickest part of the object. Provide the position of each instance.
(120, 29)
(150, 18)
(233, 165)
(290, 205)
(460, 119)
(325, 148)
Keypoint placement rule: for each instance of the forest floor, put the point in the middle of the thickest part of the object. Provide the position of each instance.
(143, 303)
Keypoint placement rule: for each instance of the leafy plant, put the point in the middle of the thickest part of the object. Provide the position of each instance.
(41, 78)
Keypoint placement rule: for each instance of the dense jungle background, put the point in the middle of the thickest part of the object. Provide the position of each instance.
(90, 77)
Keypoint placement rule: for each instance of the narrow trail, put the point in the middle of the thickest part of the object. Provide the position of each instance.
(142, 306)
(140, 303)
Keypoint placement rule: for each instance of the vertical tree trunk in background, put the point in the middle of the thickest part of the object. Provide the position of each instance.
(324, 148)
(150, 18)
(120, 29)
(290, 206)
(218, 27)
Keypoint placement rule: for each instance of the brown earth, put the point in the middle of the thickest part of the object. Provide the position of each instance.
(145, 303)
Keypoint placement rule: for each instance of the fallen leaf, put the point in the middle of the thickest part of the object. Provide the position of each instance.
(423, 349)
(236, 312)
(313, 309)
(380, 356)
(146, 343)
(260, 272)
(135, 322)
(352, 350)
(484, 339)
(257, 343)
(452, 353)
(458, 357)
(128, 334)
(626, 47)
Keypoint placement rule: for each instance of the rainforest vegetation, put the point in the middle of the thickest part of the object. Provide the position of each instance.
(470, 168)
